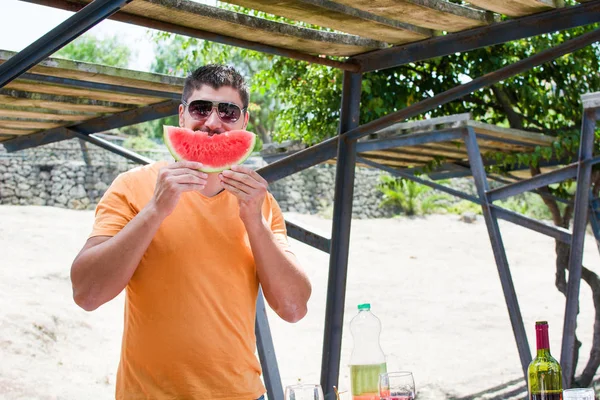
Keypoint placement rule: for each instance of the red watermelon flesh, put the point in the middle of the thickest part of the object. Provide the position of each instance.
(216, 152)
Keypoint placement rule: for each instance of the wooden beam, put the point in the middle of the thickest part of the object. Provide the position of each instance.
(54, 66)
(38, 114)
(19, 98)
(17, 123)
(439, 15)
(430, 151)
(189, 14)
(394, 161)
(591, 100)
(515, 8)
(511, 134)
(12, 131)
(37, 87)
(340, 17)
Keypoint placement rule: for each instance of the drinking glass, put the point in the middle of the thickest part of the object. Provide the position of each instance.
(304, 392)
(579, 394)
(397, 386)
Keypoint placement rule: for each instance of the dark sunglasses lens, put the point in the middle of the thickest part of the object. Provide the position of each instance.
(200, 108)
(229, 112)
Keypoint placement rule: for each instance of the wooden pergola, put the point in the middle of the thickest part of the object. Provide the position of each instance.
(360, 37)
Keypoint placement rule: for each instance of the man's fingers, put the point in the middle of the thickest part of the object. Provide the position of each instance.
(185, 164)
(241, 177)
(233, 188)
(251, 172)
(186, 179)
(183, 171)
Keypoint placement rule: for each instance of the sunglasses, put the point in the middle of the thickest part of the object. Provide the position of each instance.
(201, 109)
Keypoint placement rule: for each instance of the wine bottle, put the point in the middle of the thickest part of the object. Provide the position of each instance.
(544, 372)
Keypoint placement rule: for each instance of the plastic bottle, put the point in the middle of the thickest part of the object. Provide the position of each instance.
(367, 360)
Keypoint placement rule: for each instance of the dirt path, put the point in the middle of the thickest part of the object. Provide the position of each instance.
(432, 282)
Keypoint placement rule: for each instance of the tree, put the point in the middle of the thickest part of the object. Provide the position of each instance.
(543, 100)
(88, 48)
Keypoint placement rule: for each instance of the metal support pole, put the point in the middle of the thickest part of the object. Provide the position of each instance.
(580, 215)
(68, 30)
(340, 236)
(514, 312)
(266, 350)
(113, 148)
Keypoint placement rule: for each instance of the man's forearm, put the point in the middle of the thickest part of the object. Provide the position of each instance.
(284, 283)
(102, 271)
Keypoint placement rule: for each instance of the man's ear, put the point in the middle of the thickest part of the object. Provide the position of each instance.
(246, 118)
(181, 117)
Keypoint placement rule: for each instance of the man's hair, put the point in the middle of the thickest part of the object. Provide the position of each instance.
(216, 76)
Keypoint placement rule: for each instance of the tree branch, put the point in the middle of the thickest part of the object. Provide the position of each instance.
(515, 120)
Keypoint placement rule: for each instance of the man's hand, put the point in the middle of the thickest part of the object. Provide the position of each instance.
(249, 187)
(174, 179)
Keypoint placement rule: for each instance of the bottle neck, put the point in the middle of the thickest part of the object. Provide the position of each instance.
(542, 340)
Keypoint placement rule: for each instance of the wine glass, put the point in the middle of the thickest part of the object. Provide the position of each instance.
(579, 394)
(304, 392)
(397, 386)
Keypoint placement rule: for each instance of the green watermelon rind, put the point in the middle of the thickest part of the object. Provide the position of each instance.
(207, 169)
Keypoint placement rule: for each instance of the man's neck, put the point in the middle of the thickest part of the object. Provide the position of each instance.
(213, 186)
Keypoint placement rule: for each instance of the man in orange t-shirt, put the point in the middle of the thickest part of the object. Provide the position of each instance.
(190, 249)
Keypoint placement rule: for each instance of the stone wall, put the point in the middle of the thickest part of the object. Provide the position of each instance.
(57, 175)
(311, 191)
(65, 174)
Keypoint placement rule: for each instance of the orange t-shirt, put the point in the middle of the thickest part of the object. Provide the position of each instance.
(191, 303)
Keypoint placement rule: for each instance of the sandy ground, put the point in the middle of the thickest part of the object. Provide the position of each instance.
(432, 282)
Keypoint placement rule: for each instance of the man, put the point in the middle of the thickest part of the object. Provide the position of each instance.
(190, 249)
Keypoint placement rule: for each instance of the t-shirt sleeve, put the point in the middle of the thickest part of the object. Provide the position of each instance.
(114, 210)
(278, 226)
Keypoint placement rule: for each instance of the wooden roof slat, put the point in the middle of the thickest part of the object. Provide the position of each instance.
(63, 90)
(434, 150)
(406, 154)
(391, 162)
(439, 15)
(591, 100)
(515, 8)
(513, 134)
(63, 68)
(214, 19)
(36, 114)
(340, 17)
(13, 131)
(460, 147)
(16, 123)
(19, 98)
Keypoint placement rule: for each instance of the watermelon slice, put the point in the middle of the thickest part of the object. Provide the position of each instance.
(216, 153)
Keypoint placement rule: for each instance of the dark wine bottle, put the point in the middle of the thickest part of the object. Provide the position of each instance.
(544, 373)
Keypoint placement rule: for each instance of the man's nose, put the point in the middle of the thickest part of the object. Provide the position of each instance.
(213, 122)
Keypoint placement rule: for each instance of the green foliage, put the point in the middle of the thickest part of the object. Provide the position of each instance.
(411, 197)
(139, 143)
(88, 48)
(258, 145)
(463, 206)
(528, 204)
